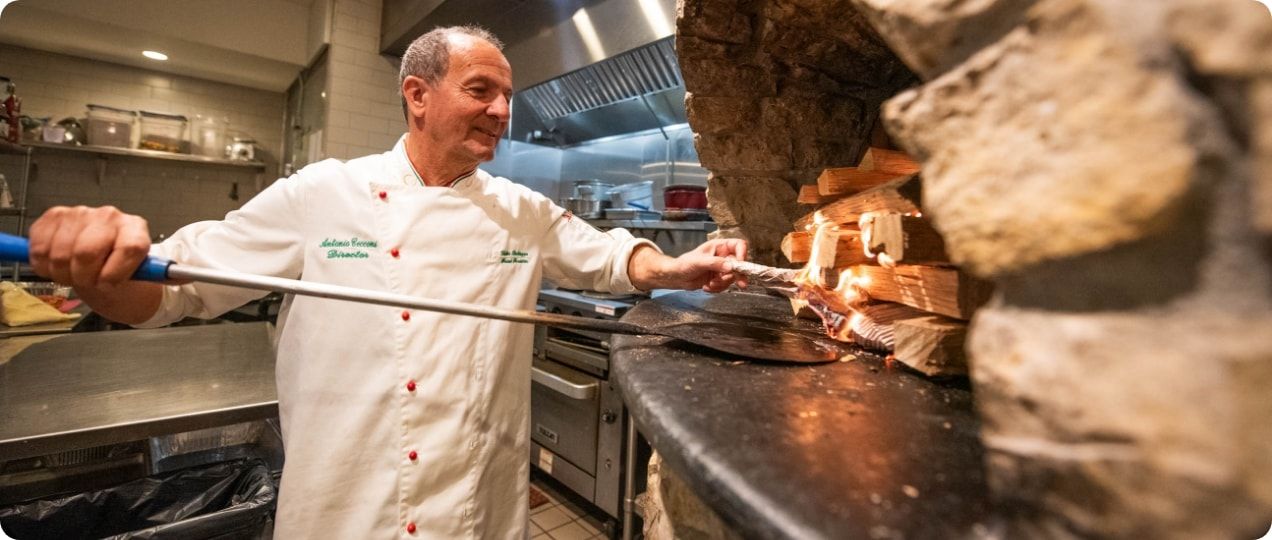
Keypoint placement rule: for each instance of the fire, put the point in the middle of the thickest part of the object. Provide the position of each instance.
(833, 301)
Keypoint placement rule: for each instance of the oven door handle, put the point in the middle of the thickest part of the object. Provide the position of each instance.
(561, 386)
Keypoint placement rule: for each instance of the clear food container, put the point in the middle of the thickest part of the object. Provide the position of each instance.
(165, 132)
(207, 136)
(108, 126)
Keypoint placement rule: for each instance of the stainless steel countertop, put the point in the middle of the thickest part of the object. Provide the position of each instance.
(71, 391)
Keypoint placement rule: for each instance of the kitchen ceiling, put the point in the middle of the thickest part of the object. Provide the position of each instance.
(255, 43)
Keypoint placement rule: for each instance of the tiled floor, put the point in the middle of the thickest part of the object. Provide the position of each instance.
(560, 519)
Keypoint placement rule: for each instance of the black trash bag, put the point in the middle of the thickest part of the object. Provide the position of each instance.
(228, 500)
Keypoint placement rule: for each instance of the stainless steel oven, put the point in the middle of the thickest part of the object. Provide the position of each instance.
(577, 418)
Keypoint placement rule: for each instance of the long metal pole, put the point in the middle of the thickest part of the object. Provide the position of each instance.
(338, 292)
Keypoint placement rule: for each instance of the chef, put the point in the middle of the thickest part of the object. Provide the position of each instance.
(396, 423)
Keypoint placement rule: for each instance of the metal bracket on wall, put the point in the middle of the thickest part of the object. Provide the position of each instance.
(101, 169)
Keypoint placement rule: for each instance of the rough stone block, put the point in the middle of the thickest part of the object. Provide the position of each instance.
(1230, 38)
(1261, 190)
(754, 151)
(1024, 164)
(933, 36)
(718, 20)
(715, 115)
(759, 209)
(1127, 425)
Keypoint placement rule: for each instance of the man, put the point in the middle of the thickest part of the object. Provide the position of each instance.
(396, 423)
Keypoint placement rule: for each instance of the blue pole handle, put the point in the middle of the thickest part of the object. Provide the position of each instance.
(18, 249)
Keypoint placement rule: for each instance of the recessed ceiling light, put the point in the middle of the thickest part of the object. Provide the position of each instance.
(154, 55)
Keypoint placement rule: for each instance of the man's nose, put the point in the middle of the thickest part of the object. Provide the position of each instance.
(500, 108)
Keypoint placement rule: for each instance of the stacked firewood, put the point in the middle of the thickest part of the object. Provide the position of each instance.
(869, 251)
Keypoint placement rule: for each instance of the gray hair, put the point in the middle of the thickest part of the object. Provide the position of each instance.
(428, 56)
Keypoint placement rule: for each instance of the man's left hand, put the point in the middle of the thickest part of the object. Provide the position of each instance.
(708, 267)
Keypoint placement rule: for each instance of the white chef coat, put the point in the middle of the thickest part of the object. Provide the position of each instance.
(399, 423)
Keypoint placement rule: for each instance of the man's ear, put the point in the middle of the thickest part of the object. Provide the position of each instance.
(415, 93)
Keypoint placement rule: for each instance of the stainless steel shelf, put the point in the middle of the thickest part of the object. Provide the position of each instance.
(705, 226)
(7, 147)
(150, 154)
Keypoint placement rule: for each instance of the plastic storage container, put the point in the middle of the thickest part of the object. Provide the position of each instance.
(638, 195)
(165, 132)
(108, 126)
(207, 136)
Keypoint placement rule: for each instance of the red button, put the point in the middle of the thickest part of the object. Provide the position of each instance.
(406, 315)
(410, 528)
(394, 252)
(410, 386)
(413, 455)
(384, 195)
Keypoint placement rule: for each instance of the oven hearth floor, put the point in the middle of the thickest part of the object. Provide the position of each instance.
(560, 519)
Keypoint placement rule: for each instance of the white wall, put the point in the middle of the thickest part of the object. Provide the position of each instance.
(169, 194)
(364, 111)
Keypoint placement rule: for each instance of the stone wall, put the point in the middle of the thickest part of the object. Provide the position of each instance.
(778, 90)
(1108, 163)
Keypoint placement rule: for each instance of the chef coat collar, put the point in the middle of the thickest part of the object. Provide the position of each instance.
(411, 177)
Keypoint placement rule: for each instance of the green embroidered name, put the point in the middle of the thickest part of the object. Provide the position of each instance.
(513, 257)
(337, 254)
(352, 242)
(347, 253)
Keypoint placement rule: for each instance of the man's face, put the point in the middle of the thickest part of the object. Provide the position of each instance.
(468, 110)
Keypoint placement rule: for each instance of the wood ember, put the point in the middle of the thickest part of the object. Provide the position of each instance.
(873, 326)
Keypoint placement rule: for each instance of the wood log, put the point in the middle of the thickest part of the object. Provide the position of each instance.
(798, 247)
(920, 244)
(944, 291)
(808, 194)
(901, 195)
(911, 240)
(888, 161)
(850, 180)
(873, 326)
(931, 345)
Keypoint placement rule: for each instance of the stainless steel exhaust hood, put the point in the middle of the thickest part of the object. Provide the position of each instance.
(638, 90)
(583, 69)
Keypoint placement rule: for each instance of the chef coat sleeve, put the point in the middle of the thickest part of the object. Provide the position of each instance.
(578, 256)
(262, 237)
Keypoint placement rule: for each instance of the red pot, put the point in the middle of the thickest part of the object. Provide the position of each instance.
(684, 196)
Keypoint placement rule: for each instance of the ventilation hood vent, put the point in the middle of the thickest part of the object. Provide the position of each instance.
(647, 70)
(634, 91)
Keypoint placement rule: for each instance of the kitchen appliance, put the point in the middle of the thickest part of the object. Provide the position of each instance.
(685, 197)
(577, 431)
(68, 131)
(242, 149)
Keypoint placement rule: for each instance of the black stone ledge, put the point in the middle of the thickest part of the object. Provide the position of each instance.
(840, 450)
